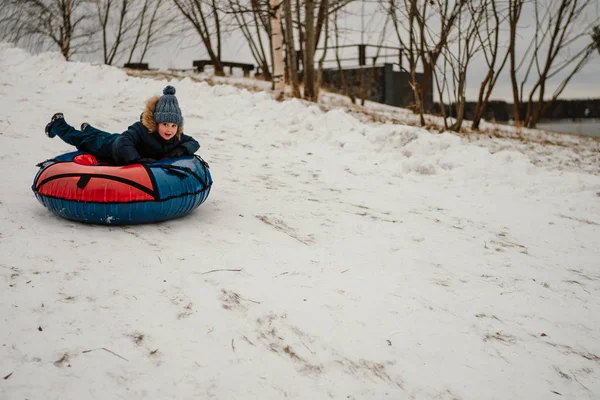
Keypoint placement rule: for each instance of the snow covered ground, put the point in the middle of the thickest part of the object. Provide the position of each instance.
(335, 257)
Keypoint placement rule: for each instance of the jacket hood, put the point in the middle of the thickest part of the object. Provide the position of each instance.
(148, 117)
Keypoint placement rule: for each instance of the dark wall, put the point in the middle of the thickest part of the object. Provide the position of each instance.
(383, 84)
(574, 109)
(372, 79)
(560, 109)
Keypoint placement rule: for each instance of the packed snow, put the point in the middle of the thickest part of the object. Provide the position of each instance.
(335, 257)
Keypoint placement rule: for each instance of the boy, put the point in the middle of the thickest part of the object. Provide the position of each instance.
(158, 134)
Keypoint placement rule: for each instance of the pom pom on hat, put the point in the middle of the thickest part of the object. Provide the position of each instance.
(167, 108)
(169, 90)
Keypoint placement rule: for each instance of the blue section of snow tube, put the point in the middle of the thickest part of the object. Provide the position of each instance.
(122, 213)
(180, 186)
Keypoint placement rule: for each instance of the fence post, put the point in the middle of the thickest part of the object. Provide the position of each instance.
(388, 84)
(400, 58)
(298, 57)
(362, 54)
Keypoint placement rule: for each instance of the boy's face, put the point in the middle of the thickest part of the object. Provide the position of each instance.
(167, 130)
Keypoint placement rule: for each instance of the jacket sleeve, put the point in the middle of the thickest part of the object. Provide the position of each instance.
(189, 143)
(124, 151)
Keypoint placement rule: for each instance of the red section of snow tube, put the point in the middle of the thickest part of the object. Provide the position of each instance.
(97, 190)
(96, 183)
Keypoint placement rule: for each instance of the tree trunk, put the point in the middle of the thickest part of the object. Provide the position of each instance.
(263, 56)
(300, 38)
(490, 48)
(138, 35)
(481, 101)
(195, 14)
(66, 29)
(325, 4)
(539, 107)
(514, 10)
(276, 42)
(309, 67)
(149, 33)
(291, 48)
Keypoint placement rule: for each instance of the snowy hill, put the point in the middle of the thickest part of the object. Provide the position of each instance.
(334, 258)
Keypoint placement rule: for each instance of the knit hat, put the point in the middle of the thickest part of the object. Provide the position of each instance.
(167, 108)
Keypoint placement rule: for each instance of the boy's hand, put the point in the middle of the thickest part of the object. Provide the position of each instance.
(177, 152)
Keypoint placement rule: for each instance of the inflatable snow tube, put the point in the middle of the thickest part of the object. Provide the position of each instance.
(77, 187)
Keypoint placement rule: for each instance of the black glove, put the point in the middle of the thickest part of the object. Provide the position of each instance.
(177, 152)
(146, 160)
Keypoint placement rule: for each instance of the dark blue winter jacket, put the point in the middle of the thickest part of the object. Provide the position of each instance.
(137, 143)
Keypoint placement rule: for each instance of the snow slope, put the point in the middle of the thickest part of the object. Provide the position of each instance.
(334, 258)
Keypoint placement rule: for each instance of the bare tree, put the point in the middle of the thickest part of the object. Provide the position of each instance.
(312, 26)
(310, 37)
(134, 27)
(141, 25)
(460, 55)
(10, 22)
(561, 44)
(407, 13)
(433, 42)
(515, 7)
(441, 84)
(277, 46)
(252, 24)
(489, 39)
(559, 25)
(291, 48)
(423, 29)
(301, 38)
(148, 25)
(348, 90)
(199, 14)
(309, 54)
(104, 9)
(47, 23)
(322, 10)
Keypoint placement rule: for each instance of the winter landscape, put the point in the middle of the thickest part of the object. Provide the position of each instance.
(339, 255)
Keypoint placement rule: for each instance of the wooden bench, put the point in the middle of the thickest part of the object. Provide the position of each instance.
(200, 64)
(143, 66)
